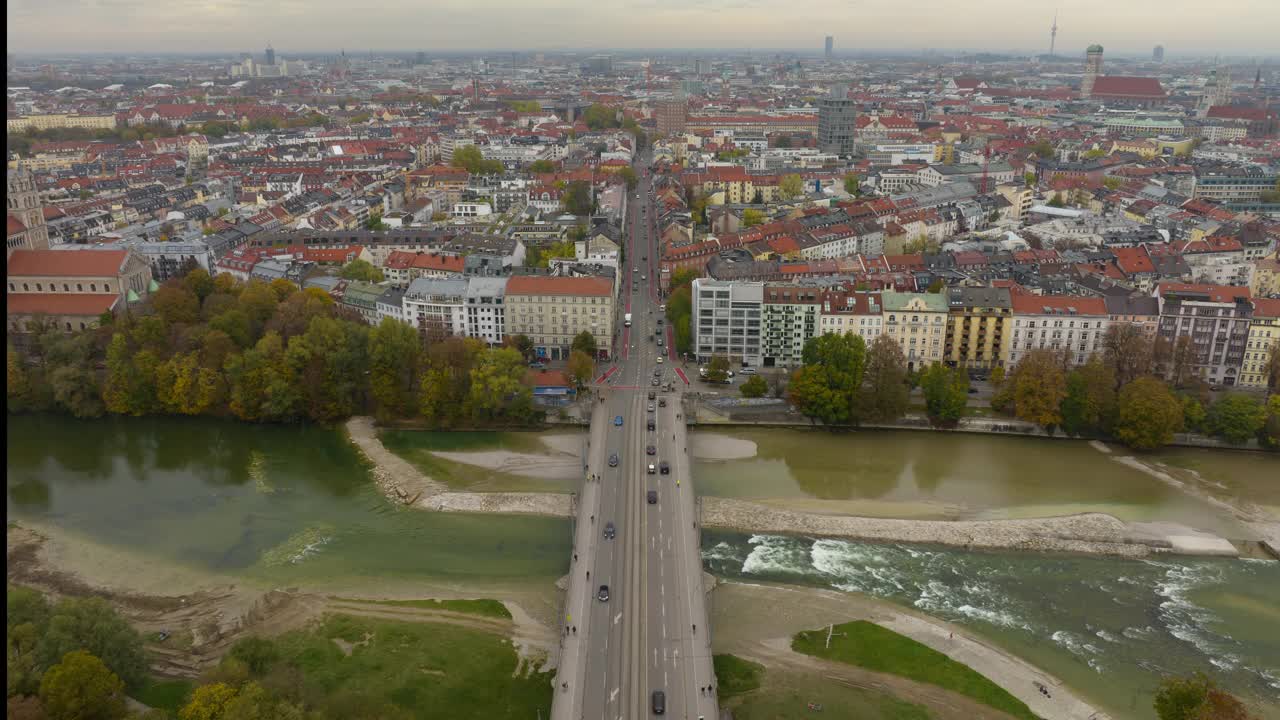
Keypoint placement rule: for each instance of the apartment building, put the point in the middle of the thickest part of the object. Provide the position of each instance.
(1235, 184)
(1216, 318)
(727, 320)
(1263, 342)
(791, 316)
(979, 325)
(852, 312)
(436, 307)
(53, 121)
(551, 311)
(919, 322)
(486, 311)
(1069, 324)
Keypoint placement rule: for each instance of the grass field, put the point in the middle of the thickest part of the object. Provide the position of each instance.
(485, 607)
(786, 696)
(735, 676)
(168, 695)
(876, 648)
(419, 667)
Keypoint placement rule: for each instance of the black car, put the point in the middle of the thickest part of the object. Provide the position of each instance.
(651, 395)
(603, 594)
(651, 450)
(610, 532)
(613, 460)
(659, 702)
(662, 402)
(664, 468)
(652, 497)
(651, 424)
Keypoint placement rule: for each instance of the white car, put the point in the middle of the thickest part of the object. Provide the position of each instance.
(659, 359)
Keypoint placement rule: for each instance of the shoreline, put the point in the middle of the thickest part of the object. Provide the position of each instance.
(1086, 533)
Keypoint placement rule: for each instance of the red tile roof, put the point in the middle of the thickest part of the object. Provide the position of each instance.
(547, 285)
(15, 226)
(1126, 86)
(1266, 307)
(75, 263)
(60, 303)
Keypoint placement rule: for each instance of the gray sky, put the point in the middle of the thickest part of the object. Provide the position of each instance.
(1231, 27)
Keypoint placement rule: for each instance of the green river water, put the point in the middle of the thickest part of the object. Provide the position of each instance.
(295, 506)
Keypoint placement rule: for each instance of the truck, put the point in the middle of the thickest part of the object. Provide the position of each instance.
(626, 320)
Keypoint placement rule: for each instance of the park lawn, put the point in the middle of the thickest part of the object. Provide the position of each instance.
(421, 667)
(485, 607)
(873, 647)
(168, 695)
(735, 676)
(786, 696)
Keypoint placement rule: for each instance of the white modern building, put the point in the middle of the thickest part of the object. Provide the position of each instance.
(727, 320)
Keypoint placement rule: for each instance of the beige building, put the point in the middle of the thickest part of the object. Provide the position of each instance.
(1068, 324)
(857, 313)
(980, 324)
(72, 288)
(551, 311)
(1264, 339)
(61, 120)
(26, 229)
(918, 321)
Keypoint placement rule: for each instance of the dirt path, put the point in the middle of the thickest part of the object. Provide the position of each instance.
(397, 478)
(758, 620)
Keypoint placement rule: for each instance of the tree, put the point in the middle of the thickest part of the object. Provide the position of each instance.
(885, 394)
(199, 282)
(1236, 418)
(1147, 414)
(580, 367)
(470, 158)
(1037, 387)
(1273, 368)
(827, 387)
(718, 369)
(1197, 698)
(752, 217)
(577, 198)
(93, 625)
(628, 174)
(1127, 349)
(523, 345)
(1112, 183)
(80, 687)
(754, 387)
(791, 186)
(361, 270)
(1090, 399)
(599, 117)
(683, 277)
(1270, 435)
(586, 343)
(853, 184)
(1029, 178)
(946, 394)
(394, 348)
(208, 702)
(497, 390)
(1043, 149)
(921, 244)
(540, 167)
(176, 303)
(1056, 201)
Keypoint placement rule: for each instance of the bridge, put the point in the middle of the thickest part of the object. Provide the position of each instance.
(635, 621)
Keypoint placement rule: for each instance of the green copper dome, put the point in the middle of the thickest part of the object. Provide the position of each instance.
(1095, 48)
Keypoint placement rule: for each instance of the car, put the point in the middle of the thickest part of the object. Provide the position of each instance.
(659, 343)
(650, 424)
(662, 308)
(644, 258)
(659, 322)
(652, 497)
(651, 395)
(659, 702)
(652, 468)
(650, 450)
(657, 372)
(635, 289)
(650, 407)
(613, 460)
(635, 269)
(617, 420)
(659, 359)
(603, 593)
(538, 365)
(610, 532)
(664, 468)
(748, 371)
(662, 402)
(973, 391)
(655, 382)
(643, 278)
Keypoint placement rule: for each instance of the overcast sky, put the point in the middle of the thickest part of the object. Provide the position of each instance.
(1230, 27)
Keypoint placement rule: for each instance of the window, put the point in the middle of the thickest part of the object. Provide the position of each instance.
(39, 287)
(93, 287)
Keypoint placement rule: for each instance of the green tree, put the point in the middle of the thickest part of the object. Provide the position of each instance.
(853, 184)
(497, 390)
(470, 158)
(199, 282)
(946, 394)
(1090, 399)
(1029, 178)
(394, 350)
(1128, 350)
(752, 217)
(361, 270)
(208, 702)
(1193, 414)
(754, 387)
(826, 387)
(1056, 201)
(19, 387)
(585, 342)
(258, 654)
(523, 345)
(1197, 698)
(1037, 387)
(577, 198)
(599, 117)
(921, 244)
(683, 277)
(1236, 417)
(580, 367)
(790, 187)
(1043, 149)
(93, 625)
(1270, 436)
(885, 394)
(263, 387)
(541, 167)
(80, 687)
(718, 369)
(1147, 414)
(628, 174)
(75, 390)
(129, 388)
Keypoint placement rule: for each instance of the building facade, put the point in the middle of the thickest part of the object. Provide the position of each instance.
(791, 316)
(551, 311)
(919, 322)
(26, 229)
(71, 289)
(727, 320)
(979, 324)
(486, 311)
(837, 122)
(1263, 342)
(1071, 325)
(436, 307)
(1216, 318)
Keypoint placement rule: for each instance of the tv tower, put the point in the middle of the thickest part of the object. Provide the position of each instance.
(1053, 33)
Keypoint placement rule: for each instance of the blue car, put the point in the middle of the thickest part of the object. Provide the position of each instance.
(617, 420)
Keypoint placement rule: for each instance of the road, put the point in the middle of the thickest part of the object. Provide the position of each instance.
(651, 633)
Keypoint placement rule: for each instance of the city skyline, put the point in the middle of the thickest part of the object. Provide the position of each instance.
(112, 26)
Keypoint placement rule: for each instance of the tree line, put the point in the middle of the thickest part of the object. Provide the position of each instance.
(1117, 394)
(266, 352)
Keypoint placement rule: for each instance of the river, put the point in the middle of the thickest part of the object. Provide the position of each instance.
(295, 506)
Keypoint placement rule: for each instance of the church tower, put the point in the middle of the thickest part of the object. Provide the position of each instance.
(1092, 69)
(24, 208)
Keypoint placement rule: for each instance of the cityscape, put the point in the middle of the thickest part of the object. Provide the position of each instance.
(890, 369)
